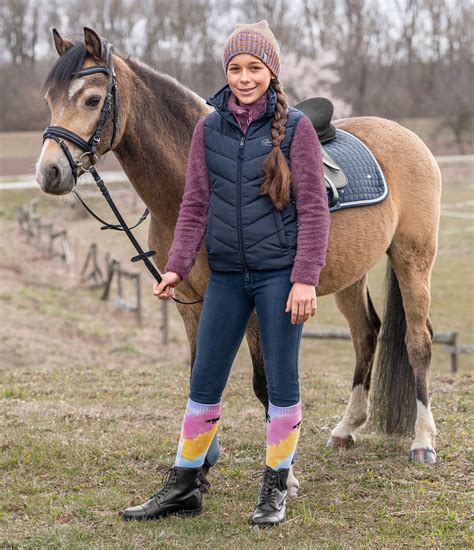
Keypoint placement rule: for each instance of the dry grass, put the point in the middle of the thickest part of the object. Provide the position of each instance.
(92, 406)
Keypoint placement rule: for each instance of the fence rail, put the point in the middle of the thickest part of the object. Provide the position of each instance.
(91, 273)
(449, 339)
(31, 224)
(34, 228)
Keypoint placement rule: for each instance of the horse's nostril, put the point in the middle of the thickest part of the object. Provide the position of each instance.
(52, 176)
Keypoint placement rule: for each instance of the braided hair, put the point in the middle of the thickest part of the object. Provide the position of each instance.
(277, 172)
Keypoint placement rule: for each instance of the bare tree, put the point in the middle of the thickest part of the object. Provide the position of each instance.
(304, 77)
(320, 19)
(397, 58)
(19, 30)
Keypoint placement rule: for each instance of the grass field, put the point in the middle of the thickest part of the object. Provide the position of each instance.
(91, 408)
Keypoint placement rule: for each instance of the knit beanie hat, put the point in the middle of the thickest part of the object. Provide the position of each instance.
(256, 39)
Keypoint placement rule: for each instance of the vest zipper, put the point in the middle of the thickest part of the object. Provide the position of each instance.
(239, 205)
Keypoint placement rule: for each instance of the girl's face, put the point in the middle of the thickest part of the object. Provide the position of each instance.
(247, 72)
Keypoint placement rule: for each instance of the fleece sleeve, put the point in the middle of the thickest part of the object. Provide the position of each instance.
(311, 203)
(192, 219)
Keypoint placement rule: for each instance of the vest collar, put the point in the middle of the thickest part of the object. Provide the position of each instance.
(220, 98)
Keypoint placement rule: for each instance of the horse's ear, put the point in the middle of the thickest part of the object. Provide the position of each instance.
(61, 44)
(93, 43)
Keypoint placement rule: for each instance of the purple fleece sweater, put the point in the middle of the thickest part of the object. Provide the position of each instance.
(308, 187)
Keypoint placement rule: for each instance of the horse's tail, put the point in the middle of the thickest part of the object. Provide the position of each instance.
(393, 396)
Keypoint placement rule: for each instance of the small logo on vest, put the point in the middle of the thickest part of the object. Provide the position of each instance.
(267, 142)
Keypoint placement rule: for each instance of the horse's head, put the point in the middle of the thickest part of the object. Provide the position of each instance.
(77, 99)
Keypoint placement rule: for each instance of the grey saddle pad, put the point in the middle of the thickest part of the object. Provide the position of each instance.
(366, 183)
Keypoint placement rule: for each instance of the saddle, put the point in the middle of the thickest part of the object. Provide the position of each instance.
(320, 111)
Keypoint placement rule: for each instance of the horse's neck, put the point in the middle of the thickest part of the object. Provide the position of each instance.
(154, 147)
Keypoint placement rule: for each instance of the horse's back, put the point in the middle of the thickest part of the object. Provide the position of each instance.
(360, 236)
(390, 143)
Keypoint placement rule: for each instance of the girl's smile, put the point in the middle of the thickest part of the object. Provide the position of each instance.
(250, 90)
(248, 77)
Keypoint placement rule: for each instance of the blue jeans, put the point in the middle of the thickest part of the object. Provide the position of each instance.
(229, 301)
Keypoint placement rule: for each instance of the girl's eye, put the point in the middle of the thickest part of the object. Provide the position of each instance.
(93, 101)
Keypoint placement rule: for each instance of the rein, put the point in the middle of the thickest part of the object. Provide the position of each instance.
(89, 148)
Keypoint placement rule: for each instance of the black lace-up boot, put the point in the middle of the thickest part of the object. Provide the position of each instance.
(271, 504)
(181, 494)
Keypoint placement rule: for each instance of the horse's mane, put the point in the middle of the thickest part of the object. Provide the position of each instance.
(60, 76)
(61, 72)
(174, 95)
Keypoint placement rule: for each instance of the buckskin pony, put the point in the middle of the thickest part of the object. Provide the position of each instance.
(151, 136)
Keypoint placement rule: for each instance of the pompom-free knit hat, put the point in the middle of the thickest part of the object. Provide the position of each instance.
(256, 39)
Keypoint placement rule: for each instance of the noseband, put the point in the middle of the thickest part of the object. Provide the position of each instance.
(89, 148)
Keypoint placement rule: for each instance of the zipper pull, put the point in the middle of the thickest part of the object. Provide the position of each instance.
(241, 146)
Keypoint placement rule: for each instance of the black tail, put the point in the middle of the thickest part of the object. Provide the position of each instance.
(393, 397)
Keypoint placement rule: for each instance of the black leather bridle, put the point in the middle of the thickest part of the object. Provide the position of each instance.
(89, 148)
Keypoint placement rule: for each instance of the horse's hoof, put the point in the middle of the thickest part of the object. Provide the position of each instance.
(293, 491)
(423, 456)
(340, 442)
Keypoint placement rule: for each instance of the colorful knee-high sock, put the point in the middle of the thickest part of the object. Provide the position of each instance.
(199, 426)
(283, 430)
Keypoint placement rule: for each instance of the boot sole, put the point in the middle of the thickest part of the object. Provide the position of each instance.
(266, 525)
(165, 514)
(263, 525)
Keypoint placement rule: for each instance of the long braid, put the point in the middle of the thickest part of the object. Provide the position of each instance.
(275, 167)
(281, 113)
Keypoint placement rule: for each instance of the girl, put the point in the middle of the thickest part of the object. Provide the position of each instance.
(266, 239)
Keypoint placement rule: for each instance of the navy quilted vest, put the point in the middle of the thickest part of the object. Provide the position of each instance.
(244, 229)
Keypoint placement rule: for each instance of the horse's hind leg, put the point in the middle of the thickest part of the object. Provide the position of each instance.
(260, 384)
(355, 304)
(412, 262)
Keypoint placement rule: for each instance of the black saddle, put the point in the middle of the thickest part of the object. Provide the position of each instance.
(320, 110)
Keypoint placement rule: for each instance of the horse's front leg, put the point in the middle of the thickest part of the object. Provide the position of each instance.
(355, 303)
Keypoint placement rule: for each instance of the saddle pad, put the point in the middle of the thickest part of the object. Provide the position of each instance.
(366, 183)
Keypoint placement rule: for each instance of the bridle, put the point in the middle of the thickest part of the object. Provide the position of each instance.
(89, 148)
(58, 133)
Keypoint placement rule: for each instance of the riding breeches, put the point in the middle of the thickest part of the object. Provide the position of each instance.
(229, 302)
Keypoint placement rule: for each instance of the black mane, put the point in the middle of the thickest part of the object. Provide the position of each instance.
(175, 101)
(60, 74)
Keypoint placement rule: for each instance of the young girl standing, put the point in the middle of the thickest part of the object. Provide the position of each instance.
(267, 233)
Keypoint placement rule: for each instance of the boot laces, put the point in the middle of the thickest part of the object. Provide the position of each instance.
(271, 481)
(168, 479)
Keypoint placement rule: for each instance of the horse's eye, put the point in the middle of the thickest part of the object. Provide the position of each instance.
(93, 101)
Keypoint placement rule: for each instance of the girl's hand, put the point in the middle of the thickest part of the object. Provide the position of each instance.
(301, 302)
(164, 290)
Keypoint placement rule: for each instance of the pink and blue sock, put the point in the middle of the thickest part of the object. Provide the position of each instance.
(199, 427)
(283, 430)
